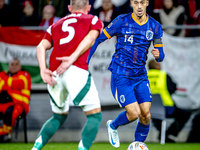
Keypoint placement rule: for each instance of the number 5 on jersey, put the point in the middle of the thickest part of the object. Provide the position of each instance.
(67, 28)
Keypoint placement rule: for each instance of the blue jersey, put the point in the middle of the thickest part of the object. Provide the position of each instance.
(133, 42)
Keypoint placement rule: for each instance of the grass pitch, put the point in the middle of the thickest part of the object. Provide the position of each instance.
(100, 146)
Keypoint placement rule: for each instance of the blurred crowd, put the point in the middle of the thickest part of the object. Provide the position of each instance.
(46, 12)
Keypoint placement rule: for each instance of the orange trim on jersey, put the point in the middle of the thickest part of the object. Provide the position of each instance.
(138, 21)
(116, 94)
(9, 81)
(106, 34)
(26, 92)
(25, 81)
(158, 45)
(20, 98)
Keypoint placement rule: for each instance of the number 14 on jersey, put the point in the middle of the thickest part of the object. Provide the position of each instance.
(128, 38)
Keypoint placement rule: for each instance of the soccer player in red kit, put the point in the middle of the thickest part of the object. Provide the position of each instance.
(68, 78)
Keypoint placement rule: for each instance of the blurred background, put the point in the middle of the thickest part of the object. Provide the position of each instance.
(23, 24)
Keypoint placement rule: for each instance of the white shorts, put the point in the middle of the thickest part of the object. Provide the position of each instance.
(75, 87)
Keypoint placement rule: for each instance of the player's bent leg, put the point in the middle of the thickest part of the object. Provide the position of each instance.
(145, 113)
(142, 128)
(132, 113)
(90, 129)
(49, 129)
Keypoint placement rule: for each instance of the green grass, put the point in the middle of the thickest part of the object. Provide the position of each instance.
(100, 146)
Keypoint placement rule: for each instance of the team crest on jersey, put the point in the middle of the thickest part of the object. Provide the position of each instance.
(149, 35)
(122, 98)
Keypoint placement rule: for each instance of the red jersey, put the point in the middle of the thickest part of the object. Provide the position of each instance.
(66, 34)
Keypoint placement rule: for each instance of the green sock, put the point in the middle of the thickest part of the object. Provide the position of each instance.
(49, 129)
(90, 130)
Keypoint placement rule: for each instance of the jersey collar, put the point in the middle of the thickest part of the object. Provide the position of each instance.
(138, 21)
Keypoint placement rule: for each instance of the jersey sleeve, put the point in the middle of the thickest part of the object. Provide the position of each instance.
(112, 29)
(157, 42)
(158, 31)
(108, 32)
(99, 40)
(96, 24)
(48, 35)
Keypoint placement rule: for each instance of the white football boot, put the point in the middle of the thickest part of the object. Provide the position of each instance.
(113, 135)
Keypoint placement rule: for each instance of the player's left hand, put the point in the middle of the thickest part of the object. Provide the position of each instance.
(155, 52)
(66, 62)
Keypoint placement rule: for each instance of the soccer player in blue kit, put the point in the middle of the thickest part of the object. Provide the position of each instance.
(129, 81)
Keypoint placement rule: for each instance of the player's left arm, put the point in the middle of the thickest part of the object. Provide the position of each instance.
(157, 51)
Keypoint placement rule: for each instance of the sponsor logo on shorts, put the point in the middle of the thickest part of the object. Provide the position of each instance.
(122, 98)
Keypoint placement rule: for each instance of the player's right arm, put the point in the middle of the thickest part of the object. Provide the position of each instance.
(108, 33)
(84, 45)
(99, 40)
(46, 74)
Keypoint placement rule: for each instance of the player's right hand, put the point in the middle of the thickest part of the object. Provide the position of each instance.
(47, 76)
(66, 63)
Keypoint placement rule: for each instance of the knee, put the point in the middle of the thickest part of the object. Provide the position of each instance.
(132, 116)
(97, 117)
(145, 118)
(148, 116)
(60, 118)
